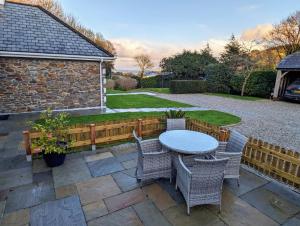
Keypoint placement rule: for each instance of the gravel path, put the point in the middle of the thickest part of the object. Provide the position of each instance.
(275, 122)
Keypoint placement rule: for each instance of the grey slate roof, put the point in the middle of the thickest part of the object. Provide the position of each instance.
(31, 29)
(291, 62)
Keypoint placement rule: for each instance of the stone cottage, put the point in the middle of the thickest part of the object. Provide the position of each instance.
(45, 63)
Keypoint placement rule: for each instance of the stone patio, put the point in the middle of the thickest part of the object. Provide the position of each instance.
(99, 188)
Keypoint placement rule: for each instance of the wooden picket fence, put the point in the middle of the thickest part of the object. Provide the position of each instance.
(273, 161)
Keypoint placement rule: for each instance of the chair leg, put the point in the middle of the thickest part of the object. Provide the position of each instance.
(188, 210)
(220, 207)
(238, 182)
(176, 187)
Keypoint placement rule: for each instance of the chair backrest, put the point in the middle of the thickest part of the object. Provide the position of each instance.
(176, 124)
(236, 142)
(138, 141)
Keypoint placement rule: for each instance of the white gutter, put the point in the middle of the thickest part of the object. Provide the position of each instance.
(101, 85)
(55, 56)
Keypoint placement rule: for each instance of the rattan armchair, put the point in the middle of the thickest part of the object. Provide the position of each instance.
(233, 149)
(201, 181)
(153, 161)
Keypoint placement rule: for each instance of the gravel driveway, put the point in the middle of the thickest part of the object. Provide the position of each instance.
(273, 121)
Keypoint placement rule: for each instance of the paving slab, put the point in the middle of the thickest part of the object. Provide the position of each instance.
(170, 188)
(248, 182)
(129, 164)
(277, 207)
(39, 166)
(199, 216)
(2, 207)
(65, 191)
(18, 218)
(43, 177)
(72, 171)
(150, 215)
(125, 182)
(94, 210)
(124, 200)
(104, 166)
(159, 196)
(294, 221)
(98, 156)
(124, 217)
(130, 172)
(14, 178)
(29, 195)
(127, 156)
(236, 211)
(3, 195)
(65, 211)
(124, 148)
(97, 189)
(15, 162)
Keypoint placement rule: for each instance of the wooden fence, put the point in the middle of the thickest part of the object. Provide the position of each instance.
(274, 161)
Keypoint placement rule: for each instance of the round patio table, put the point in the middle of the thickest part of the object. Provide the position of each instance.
(188, 142)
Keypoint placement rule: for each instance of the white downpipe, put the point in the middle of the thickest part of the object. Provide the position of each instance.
(101, 85)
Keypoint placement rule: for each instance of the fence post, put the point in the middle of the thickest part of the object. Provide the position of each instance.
(223, 135)
(139, 130)
(27, 145)
(93, 136)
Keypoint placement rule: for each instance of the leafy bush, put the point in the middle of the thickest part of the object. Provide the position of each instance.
(123, 83)
(110, 84)
(188, 86)
(175, 114)
(236, 83)
(261, 83)
(151, 82)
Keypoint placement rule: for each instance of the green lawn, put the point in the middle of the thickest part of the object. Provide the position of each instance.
(213, 117)
(234, 96)
(155, 90)
(141, 101)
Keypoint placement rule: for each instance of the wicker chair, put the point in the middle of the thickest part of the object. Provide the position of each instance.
(153, 161)
(176, 124)
(233, 149)
(201, 181)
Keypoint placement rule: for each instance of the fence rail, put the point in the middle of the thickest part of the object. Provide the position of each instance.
(271, 160)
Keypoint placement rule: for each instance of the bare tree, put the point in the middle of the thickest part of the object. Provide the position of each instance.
(144, 62)
(286, 35)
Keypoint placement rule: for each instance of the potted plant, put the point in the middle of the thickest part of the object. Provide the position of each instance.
(175, 119)
(53, 139)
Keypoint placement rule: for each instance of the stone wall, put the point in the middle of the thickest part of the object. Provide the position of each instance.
(36, 84)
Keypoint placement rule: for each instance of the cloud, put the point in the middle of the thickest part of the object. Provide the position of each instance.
(256, 33)
(128, 48)
(247, 8)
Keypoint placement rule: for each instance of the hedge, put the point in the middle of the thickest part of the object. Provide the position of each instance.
(188, 86)
(151, 82)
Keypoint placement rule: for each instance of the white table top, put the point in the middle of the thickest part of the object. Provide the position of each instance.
(188, 142)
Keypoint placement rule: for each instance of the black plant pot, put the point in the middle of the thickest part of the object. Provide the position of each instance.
(55, 159)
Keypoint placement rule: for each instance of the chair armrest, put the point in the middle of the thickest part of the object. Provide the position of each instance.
(228, 154)
(152, 145)
(221, 147)
(155, 153)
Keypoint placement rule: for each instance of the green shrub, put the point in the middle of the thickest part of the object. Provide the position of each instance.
(188, 86)
(174, 114)
(236, 83)
(261, 83)
(151, 82)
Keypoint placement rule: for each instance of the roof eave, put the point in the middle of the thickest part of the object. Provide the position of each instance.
(55, 56)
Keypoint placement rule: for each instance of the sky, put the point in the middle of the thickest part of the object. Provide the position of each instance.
(161, 28)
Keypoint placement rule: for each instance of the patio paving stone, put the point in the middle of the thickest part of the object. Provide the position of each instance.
(15, 162)
(39, 166)
(97, 189)
(271, 204)
(98, 156)
(94, 210)
(3, 195)
(65, 191)
(65, 211)
(170, 188)
(104, 166)
(199, 216)
(72, 171)
(127, 156)
(29, 195)
(236, 211)
(124, 217)
(129, 164)
(2, 207)
(150, 215)
(160, 197)
(294, 221)
(125, 182)
(124, 200)
(130, 172)
(43, 177)
(248, 182)
(18, 218)
(124, 149)
(14, 178)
